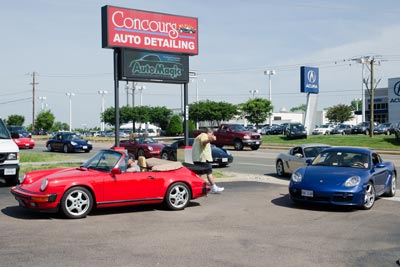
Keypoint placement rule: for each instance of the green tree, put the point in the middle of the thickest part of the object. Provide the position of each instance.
(44, 120)
(211, 111)
(175, 126)
(59, 126)
(256, 110)
(160, 116)
(340, 113)
(299, 108)
(356, 104)
(15, 120)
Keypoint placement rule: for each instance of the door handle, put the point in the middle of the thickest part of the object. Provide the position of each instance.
(150, 177)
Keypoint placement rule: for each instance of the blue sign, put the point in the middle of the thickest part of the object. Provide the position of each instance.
(309, 80)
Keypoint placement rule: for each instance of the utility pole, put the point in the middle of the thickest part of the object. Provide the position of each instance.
(33, 83)
(371, 120)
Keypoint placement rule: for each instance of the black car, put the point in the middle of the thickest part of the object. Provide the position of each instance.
(20, 130)
(295, 130)
(220, 156)
(342, 129)
(68, 142)
(361, 128)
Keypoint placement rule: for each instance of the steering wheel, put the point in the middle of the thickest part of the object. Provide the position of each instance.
(358, 164)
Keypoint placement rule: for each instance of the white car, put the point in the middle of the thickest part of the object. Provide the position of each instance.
(323, 129)
(296, 157)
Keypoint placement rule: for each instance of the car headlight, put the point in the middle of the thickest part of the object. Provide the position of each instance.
(44, 185)
(296, 177)
(227, 152)
(246, 137)
(22, 178)
(12, 156)
(73, 143)
(89, 143)
(352, 181)
(150, 148)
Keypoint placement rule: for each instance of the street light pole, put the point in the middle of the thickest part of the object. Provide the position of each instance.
(70, 95)
(253, 92)
(270, 73)
(42, 99)
(102, 93)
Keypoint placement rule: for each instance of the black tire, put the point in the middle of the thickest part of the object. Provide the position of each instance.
(367, 132)
(280, 169)
(370, 197)
(164, 155)
(178, 196)
(238, 145)
(392, 189)
(255, 147)
(87, 151)
(141, 153)
(65, 149)
(76, 203)
(50, 148)
(343, 133)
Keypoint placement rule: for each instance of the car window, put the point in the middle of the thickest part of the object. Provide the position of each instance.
(342, 159)
(103, 161)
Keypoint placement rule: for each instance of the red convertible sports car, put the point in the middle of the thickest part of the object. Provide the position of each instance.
(142, 146)
(24, 142)
(103, 182)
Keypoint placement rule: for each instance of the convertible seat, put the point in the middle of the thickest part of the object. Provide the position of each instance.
(156, 164)
(142, 163)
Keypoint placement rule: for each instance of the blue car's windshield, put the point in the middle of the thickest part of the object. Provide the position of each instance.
(342, 159)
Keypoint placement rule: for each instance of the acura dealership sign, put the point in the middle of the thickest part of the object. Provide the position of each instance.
(309, 80)
(137, 29)
(394, 99)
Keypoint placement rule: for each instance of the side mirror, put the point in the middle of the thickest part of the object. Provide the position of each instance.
(115, 171)
(308, 161)
(380, 165)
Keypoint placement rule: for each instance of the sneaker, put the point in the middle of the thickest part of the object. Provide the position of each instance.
(215, 189)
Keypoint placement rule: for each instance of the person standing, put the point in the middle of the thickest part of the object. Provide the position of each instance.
(202, 157)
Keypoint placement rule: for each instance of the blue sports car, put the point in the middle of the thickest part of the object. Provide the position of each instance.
(344, 176)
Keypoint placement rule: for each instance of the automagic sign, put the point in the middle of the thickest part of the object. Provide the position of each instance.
(154, 67)
(137, 29)
(309, 80)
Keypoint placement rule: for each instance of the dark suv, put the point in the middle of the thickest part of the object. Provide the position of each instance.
(361, 128)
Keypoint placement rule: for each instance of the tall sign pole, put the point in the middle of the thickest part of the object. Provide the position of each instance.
(116, 96)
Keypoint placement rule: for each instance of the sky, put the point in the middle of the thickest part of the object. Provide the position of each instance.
(60, 41)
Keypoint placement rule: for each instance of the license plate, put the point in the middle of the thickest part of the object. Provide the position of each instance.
(224, 160)
(257, 143)
(26, 144)
(9, 171)
(84, 147)
(307, 193)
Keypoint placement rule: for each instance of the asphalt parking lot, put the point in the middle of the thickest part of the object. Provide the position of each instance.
(250, 224)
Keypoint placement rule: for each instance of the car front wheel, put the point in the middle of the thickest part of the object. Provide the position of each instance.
(65, 149)
(280, 169)
(369, 199)
(77, 202)
(178, 196)
(238, 145)
(49, 148)
(164, 155)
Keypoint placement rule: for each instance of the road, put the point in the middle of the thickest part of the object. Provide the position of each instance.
(250, 224)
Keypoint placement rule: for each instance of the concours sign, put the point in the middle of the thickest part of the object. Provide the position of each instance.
(137, 29)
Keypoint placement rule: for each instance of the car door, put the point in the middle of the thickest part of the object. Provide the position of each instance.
(380, 173)
(132, 186)
(295, 160)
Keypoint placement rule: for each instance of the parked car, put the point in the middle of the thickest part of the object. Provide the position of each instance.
(323, 129)
(396, 129)
(23, 141)
(272, 130)
(220, 156)
(344, 176)
(383, 128)
(21, 130)
(362, 128)
(142, 146)
(342, 129)
(103, 182)
(296, 157)
(68, 142)
(295, 130)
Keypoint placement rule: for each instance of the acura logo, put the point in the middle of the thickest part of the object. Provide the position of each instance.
(396, 88)
(312, 76)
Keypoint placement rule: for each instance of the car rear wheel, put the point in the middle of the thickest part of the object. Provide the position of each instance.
(280, 169)
(369, 199)
(178, 196)
(164, 155)
(392, 189)
(238, 145)
(76, 203)
(49, 148)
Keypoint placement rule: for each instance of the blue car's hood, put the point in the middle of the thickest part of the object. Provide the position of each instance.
(330, 175)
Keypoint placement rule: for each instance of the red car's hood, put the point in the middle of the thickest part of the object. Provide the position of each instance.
(157, 147)
(55, 174)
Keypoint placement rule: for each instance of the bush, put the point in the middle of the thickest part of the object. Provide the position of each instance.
(175, 126)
